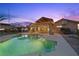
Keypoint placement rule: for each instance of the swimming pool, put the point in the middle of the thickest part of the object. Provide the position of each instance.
(26, 45)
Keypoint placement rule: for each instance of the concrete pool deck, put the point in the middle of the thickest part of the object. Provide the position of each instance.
(62, 48)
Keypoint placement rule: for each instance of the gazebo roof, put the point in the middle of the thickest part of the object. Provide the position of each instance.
(44, 19)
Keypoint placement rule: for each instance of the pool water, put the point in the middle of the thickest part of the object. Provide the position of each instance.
(26, 45)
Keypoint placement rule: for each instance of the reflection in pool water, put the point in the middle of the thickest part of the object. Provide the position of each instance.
(26, 45)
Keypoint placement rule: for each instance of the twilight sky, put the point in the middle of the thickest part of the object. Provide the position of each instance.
(33, 11)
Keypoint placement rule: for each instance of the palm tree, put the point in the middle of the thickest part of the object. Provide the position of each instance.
(2, 17)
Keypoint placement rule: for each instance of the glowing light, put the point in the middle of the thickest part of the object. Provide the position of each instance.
(2, 29)
(78, 26)
(59, 26)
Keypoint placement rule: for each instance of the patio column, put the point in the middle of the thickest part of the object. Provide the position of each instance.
(39, 29)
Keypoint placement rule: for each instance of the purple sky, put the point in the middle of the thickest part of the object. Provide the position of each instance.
(32, 11)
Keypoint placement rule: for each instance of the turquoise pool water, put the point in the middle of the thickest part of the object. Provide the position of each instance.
(26, 45)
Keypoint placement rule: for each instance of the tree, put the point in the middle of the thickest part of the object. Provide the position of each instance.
(2, 17)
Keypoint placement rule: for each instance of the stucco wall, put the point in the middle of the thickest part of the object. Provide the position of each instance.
(71, 25)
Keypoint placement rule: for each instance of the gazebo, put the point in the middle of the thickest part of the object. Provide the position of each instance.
(42, 26)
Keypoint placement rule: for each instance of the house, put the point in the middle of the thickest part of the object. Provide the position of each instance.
(67, 24)
(21, 26)
(4, 27)
(42, 26)
(22, 29)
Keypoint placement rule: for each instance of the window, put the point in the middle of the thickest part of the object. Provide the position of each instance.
(60, 26)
